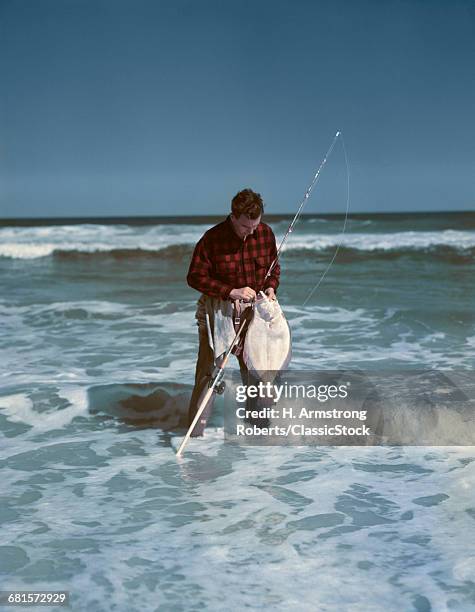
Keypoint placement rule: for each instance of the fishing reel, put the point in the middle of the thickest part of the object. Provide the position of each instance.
(219, 386)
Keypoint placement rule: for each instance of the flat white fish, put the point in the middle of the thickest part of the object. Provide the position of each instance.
(267, 345)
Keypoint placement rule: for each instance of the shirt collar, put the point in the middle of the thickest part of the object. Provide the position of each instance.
(230, 229)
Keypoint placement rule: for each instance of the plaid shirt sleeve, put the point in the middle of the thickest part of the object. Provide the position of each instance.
(199, 274)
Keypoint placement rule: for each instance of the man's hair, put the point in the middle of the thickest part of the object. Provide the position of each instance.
(247, 202)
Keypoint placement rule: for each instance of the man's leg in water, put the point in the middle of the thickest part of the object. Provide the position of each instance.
(203, 373)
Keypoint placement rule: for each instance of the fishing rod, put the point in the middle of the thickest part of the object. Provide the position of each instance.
(218, 372)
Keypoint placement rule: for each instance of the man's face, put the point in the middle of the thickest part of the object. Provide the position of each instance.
(244, 226)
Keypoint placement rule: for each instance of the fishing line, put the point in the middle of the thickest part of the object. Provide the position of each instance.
(302, 204)
(344, 224)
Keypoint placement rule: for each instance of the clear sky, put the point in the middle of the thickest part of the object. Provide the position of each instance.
(149, 107)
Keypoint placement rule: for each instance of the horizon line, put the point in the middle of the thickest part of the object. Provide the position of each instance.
(21, 220)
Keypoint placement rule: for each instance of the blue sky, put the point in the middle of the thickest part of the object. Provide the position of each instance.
(170, 107)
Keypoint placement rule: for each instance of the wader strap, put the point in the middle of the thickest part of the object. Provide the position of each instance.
(236, 314)
(238, 308)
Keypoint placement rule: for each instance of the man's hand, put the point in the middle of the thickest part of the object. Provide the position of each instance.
(244, 293)
(270, 293)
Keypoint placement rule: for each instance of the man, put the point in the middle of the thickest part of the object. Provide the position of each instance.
(229, 263)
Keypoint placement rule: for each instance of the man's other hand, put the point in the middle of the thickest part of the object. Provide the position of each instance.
(270, 293)
(244, 293)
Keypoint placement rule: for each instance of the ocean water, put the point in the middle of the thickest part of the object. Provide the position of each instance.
(98, 347)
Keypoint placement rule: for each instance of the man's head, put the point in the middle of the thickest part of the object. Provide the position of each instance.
(247, 208)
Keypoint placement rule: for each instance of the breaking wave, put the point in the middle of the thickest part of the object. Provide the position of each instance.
(176, 243)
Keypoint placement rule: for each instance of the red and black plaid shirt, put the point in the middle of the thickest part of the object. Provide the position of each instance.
(222, 261)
